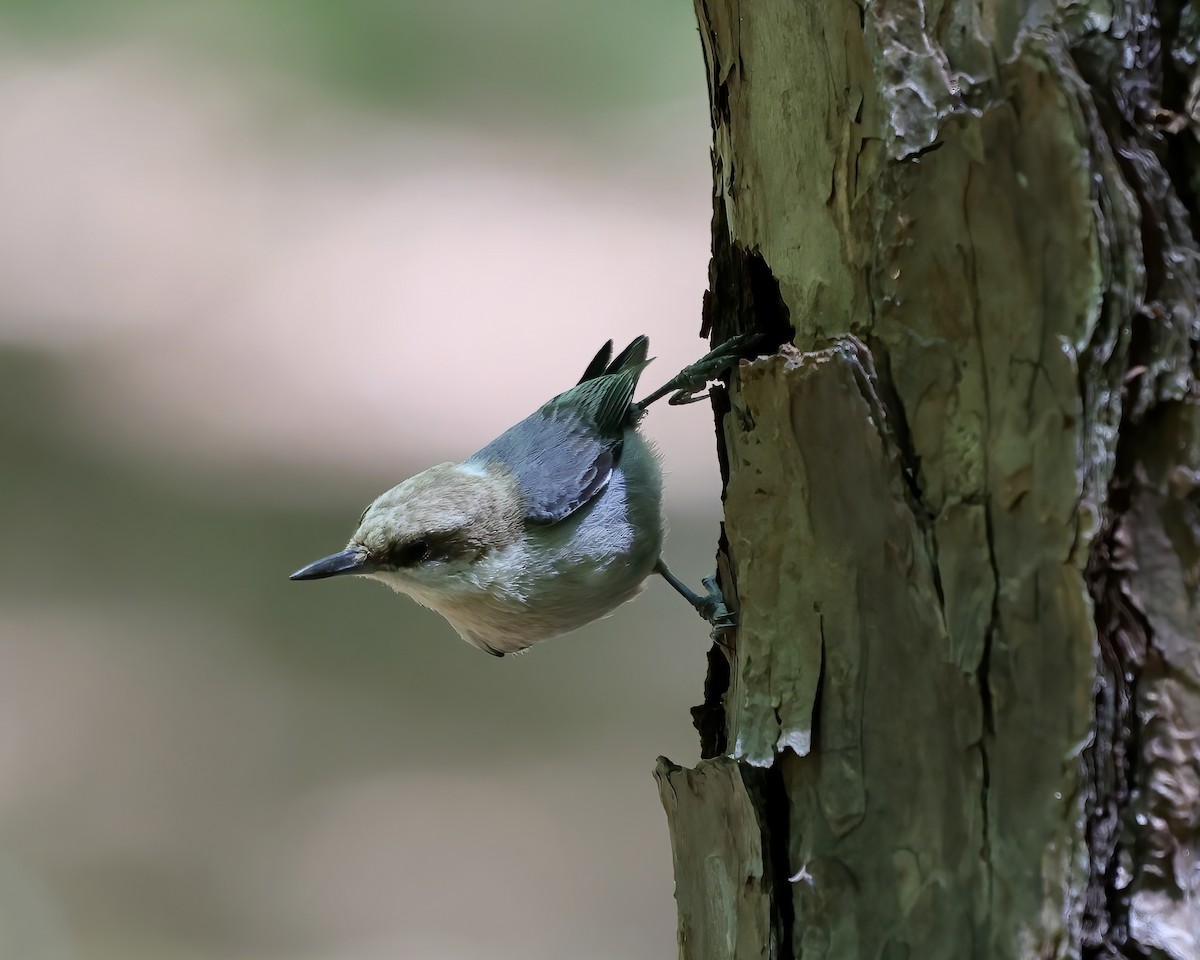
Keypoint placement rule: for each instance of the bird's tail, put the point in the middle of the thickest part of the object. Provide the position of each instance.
(605, 392)
(633, 356)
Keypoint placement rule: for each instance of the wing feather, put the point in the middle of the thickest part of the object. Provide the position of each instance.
(563, 454)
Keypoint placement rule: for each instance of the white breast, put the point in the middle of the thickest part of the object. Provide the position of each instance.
(563, 576)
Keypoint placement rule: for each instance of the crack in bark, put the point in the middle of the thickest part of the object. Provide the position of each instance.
(982, 671)
(1122, 634)
(910, 461)
(709, 717)
(983, 682)
(743, 294)
(777, 812)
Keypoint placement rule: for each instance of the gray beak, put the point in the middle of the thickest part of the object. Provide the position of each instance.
(348, 561)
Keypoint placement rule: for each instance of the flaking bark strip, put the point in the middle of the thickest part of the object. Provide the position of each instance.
(824, 535)
(813, 463)
(722, 885)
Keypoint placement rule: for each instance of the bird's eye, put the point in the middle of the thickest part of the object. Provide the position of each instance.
(411, 553)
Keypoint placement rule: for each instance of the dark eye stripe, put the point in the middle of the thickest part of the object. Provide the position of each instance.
(411, 553)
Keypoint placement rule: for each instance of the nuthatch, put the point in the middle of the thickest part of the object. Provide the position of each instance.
(555, 523)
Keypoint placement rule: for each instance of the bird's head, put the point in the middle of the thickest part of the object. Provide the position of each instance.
(424, 536)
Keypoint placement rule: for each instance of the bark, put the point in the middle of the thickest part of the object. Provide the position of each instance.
(959, 716)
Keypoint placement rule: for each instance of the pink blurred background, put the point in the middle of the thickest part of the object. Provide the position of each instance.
(257, 263)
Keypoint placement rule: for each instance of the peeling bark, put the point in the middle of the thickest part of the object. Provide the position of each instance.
(960, 715)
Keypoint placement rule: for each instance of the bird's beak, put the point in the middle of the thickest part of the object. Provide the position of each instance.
(348, 561)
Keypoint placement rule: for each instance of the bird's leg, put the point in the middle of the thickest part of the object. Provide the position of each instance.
(688, 385)
(711, 607)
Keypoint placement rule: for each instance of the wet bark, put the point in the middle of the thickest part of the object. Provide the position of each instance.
(960, 715)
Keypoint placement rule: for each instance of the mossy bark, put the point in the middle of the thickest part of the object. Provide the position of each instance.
(961, 714)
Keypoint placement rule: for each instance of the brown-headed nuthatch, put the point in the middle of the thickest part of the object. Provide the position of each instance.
(555, 523)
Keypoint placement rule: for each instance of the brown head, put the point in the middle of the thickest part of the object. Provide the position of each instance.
(430, 528)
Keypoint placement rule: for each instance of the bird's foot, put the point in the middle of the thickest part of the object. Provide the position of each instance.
(689, 385)
(713, 609)
(711, 606)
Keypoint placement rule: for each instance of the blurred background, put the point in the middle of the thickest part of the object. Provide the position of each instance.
(259, 261)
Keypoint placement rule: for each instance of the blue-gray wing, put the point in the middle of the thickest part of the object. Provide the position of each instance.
(563, 455)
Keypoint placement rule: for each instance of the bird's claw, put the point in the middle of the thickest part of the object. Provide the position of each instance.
(689, 385)
(713, 609)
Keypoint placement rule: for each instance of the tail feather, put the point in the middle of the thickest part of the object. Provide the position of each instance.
(605, 394)
(612, 401)
(633, 355)
(599, 365)
(602, 363)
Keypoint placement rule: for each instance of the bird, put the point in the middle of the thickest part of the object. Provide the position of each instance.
(554, 524)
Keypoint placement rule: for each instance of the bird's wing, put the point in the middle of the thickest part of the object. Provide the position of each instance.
(562, 455)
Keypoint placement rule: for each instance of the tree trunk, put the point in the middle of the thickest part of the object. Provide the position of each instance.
(960, 714)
